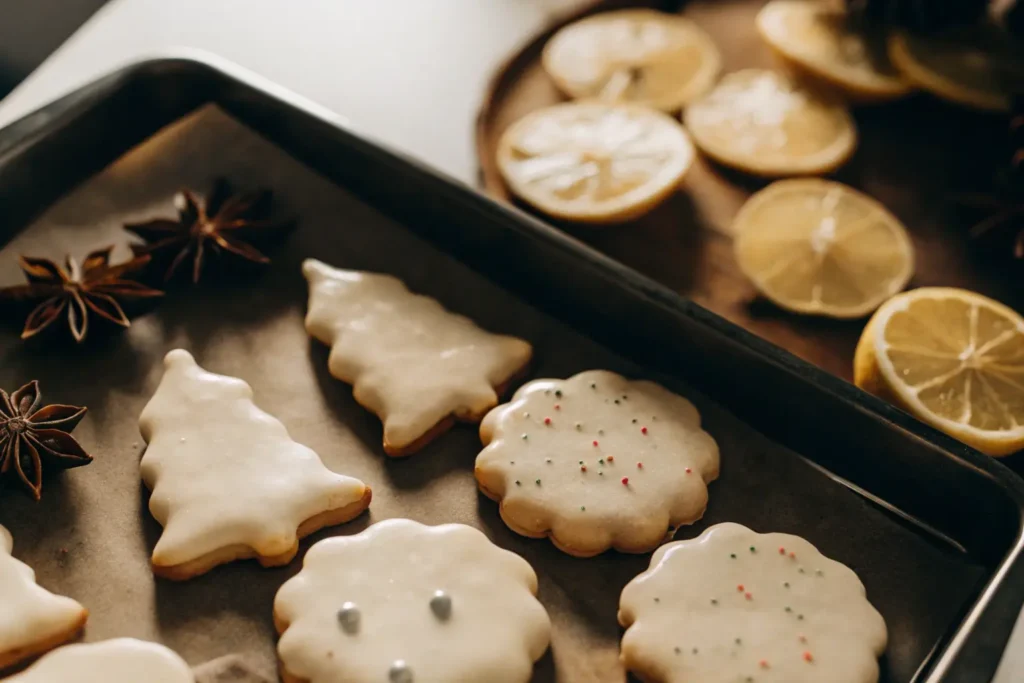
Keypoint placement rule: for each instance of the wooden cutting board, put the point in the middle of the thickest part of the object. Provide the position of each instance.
(918, 156)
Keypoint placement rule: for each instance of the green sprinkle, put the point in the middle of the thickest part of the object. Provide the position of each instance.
(583, 508)
(526, 415)
(578, 426)
(739, 642)
(601, 460)
(820, 573)
(558, 393)
(581, 462)
(695, 650)
(713, 601)
(518, 483)
(634, 420)
(678, 650)
(600, 432)
(511, 462)
(786, 584)
(753, 549)
(789, 609)
(600, 474)
(732, 555)
(801, 570)
(525, 436)
(547, 460)
(593, 385)
(657, 599)
(617, 402)
(624, 397)
(538, 482)
(800, 617)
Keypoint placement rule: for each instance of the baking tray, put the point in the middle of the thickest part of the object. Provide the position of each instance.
(933, 528)
(917, 156)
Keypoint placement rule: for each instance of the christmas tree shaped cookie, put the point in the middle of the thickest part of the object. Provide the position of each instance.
(32, 620)
(406, 603)
(596, 462)
(124, 660)
(228, 482)
(414, 364)
(734, 605)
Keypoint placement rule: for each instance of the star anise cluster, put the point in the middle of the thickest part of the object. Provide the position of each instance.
(222, 223)
(34, 437)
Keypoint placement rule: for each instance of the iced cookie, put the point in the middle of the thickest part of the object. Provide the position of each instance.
(734, 605)
(414, 364)
(228, 482)
(32, 619)
(124, 660)
(406, 603)
(596, 462)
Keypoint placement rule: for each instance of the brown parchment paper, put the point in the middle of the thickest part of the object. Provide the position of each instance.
(91, 536)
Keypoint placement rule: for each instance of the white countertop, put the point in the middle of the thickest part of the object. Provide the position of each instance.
(332, 52)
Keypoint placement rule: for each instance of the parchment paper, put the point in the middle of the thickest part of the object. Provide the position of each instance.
(91, 536)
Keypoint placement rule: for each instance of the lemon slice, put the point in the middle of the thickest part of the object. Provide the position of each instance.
(639, 56)
(822, 42)
(952, 358)
(978, 67)
(594, 163)
(764, 123)
(815, 246)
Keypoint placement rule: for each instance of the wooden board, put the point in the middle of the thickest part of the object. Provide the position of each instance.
(917, 156)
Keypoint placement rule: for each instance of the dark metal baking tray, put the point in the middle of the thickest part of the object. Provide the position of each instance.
(933, 528)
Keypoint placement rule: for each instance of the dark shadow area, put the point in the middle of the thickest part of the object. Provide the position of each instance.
(32, 29)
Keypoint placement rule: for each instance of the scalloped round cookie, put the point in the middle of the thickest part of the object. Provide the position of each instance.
(407, 603)
(596, 462)
(736, 605)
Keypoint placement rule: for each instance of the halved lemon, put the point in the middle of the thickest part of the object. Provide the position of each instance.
(594, 163)
(639, 56)
(819, 247)
(822, 41)
(978, 67)
(764, 123)
(952, 358)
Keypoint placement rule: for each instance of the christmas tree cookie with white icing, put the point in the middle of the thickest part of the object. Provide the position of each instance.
(417, 366)
(737, 606)
(407, 603)
(124, 660)
(32, 619)
(597, 462)
(228, 481)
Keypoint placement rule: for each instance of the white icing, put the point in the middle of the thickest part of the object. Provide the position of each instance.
(124, 660)
(409, 360)
(29, 614)
(224, 473)
(643, 432)
(495, 631)
(798, 618)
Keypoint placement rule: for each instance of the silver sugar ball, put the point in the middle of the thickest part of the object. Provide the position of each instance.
(400, 672)
(441, 605)
(348, 617)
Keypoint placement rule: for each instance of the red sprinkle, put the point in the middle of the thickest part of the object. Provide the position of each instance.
(803, 638)
(763, 663)
(639, 465)
(625, 481)
(782, 551)
(611, 458)
(749, 596)
(808, 657)
(688, 470)
(740, 588)
(792, 555)
(595, 444)
(643, 430)
(558, 407)
(583, 468)
(547, 420)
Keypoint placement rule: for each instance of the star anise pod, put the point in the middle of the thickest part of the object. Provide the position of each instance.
(94, 286)
(33, 438)
(224, 222)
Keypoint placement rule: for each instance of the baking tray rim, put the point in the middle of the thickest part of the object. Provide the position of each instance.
(29, 129)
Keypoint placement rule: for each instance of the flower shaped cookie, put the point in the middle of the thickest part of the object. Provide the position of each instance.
(406, 603)
(596, 462)
(735, 605)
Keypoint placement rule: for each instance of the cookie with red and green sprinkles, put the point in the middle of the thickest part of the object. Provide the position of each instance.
(597, 461)
(736, 606)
